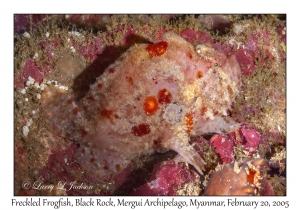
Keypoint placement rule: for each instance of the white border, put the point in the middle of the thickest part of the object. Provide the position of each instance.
(8, 8)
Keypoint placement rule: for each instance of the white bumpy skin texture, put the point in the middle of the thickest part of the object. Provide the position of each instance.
(152, 99)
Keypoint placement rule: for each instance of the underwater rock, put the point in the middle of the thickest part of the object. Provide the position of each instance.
(30, 69)
(169, 178)
(223, 146)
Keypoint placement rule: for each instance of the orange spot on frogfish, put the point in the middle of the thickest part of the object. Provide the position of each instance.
(150, 105)
(111, 70)
(199, 74)
(141, 129)
(203, 111)
(157, 49)
(164, 96)
(106, 113)
(189, 122)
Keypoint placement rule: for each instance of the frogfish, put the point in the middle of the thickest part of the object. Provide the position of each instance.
(153, 98)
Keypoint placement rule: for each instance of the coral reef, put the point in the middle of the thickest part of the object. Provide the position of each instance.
(65, 64)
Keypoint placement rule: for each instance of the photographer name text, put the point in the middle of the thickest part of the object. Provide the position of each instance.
(131, 203)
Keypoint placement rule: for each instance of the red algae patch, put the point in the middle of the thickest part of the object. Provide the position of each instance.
(30, 69)
(170, 179)
(224, 147)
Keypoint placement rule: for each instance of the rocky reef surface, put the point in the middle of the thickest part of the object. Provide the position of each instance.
(237, 134)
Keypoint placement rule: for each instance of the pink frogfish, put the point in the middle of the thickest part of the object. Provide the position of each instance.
(151, 99)
(243, 178)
